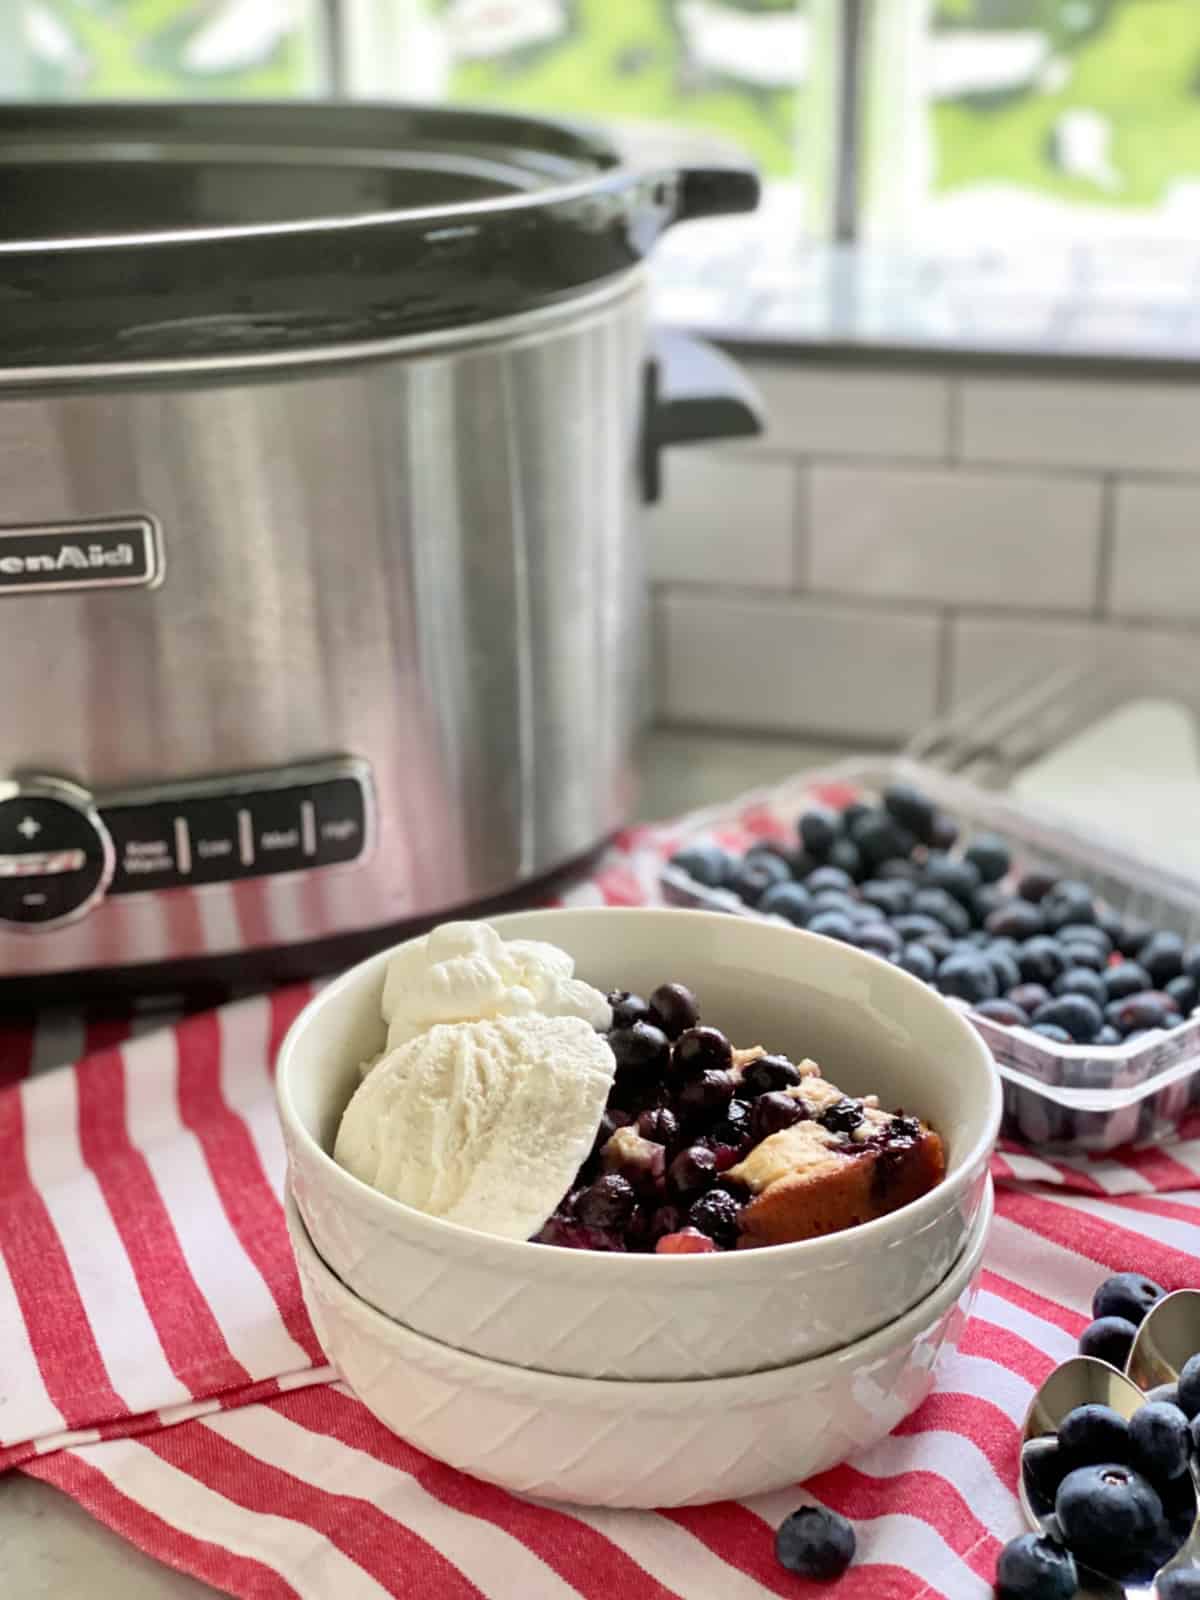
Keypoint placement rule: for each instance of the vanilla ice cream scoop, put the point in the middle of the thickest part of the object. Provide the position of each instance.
(465, 972)
(482, 1123)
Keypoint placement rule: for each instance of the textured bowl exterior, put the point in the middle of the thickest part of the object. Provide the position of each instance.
(653, 1318)
(637, 1444)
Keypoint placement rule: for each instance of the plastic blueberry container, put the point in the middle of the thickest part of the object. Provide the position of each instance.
(1062, 1097)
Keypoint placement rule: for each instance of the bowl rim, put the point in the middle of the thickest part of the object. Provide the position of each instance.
(745, 1387)
(916, 1214)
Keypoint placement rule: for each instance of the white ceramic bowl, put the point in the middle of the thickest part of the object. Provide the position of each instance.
(872, 1027)
(637, 1444)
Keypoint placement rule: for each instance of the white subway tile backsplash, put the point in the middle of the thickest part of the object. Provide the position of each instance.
(724, 518)
(955, 537)
(790, 664)
(988, 651)
(1111, 425)
(1156, 550)
(832, 410)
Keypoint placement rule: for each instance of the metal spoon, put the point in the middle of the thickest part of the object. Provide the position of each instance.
(1166, 1340)
(1085, 1381)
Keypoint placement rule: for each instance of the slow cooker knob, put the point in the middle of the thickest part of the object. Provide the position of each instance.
(56, 856)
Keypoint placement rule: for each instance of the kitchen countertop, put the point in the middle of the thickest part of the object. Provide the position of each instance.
(50, 1548)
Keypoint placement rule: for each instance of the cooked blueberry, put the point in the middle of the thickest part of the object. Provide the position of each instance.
(733, 1128)
(843, 1116)
(568, 1234)
(1191, 963)
(1067, 902)
(628, 1008)
(767, 1073)
(879, 939)
(641, 1047)
(1034, 1568)
(659, 1125)
(1086, 933)
(958, 878)
(707, 1092)
(1094, 1433)
(700, 1050)
(846, 855)
(1004, 965)
(674, 1008)
(607, 1203)
(1036, 886)
(920, 961)
(754, 877)
(1185, 992)
(1181, 1584)
(1162, 1443)
(880, 838)
(818, 829)
(1004, 1011)
(833, 924)
(1108, 1514)
(1040, 960)
(1108, 1339)
(1082, 980)
(892, 897)
(708, 864)
(969, 976)
(917, 925)
(1126, 1294)
(944, 832)
(716, 1214)
(691, 1172)
(1082, 1018)
(1125, 979)
(815, 1543)
(1162, 957)
(789, 900)
(943, 908)
(773, 1112)
(1107, 1036)
(1189, 1388)
(828, 878)
(1141, 1013)
(989, 855)
(1029, 996)
(899, 872)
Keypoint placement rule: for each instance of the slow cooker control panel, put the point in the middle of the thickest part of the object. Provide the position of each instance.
(61, 850)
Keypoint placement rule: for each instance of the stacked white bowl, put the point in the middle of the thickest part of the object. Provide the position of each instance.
(648, 1380)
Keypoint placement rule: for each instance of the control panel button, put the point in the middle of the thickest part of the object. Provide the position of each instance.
(55, 854)
(277, 831)
(152, 847)
(340, 821)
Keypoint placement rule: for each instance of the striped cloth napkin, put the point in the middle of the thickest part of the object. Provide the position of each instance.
(156, 1363)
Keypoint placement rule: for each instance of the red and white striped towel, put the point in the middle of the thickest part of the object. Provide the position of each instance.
(156, 1363)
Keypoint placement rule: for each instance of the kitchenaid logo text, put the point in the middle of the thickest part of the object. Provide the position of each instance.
(80, 556)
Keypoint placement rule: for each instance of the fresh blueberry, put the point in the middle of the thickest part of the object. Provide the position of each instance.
(945, 832)
(958, 878)
(1040, 960)
(917, 925)
(833, 924)
(829, 878)
(892, 897)
(716, 1214)
(674, 1008)
(818, 829)
(1068, 902)
(1107, 1036)
(1004, 964)
(791, 901)
(1082, 1018)
(989, 855)
(815, 1543)
(1128, 1295)
(707, 1093)
(1189, 1388)
(899, 872)
(1108, 1339)
(1077, 954)
(940, 945)
(852, 812)
(1050, 1030)
(1162, 957)
(1082, 980)
(1086, 933)
(1191, 963)
(751, 880)
(1036, 886)
(1094, 1433)
(879, 940)
(1162, 1444)
(1125, 979)
(986, 900)
(700, 1050)
(767, 1073)
(773, 848)
(943, 908)
(1108, 1514)
(692, 1171)
(773, 1112)
(968, 976)
(1181, 1584)
(843, 1116)
(1029, 996)
(641, 1048)
(1033, 1568)
(608, 1203)
(1185, 992)
(1004, 1011)
(920, 961)
(627, 1008)
(911, 809)
(880, 838)
(1132, 935)
(1111, 921)
(846, 855)
(706, 863)
(1141, 1013)
(837, 900)
(1164, 1393)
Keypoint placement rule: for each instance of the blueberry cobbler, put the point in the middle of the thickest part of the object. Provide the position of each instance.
(705, 1147)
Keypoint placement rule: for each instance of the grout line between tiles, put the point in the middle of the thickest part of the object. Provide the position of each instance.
(1104, 551)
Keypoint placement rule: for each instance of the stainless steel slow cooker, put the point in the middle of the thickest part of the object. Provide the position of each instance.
(324, 432)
